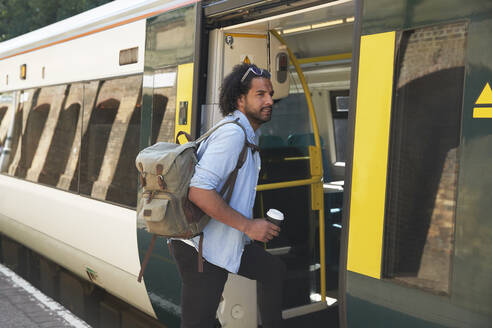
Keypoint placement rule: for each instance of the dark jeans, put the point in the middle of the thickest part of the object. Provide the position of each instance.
(201, 291)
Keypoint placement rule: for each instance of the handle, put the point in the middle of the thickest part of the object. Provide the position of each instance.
(180, 133)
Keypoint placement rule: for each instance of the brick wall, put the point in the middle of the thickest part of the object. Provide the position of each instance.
(432, 49)
(424, 167)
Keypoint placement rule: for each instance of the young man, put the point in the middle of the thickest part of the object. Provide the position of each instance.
(246, 95)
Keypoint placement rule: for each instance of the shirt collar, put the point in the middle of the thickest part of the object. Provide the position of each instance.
(243, 120)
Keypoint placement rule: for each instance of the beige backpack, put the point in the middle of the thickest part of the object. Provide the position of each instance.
(166, 170)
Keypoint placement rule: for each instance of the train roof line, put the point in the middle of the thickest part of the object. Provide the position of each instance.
(110, 15)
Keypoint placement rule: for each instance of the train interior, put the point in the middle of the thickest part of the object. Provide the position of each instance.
(321, 41)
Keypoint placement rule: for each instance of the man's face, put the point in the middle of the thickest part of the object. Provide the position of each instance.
(257, 104)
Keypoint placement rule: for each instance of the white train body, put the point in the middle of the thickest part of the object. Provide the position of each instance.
(78, 232)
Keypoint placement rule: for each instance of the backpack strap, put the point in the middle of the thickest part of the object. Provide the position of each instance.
(212, 130)
(228, 187)
(200, 253)
(146, 258)
(231, 180)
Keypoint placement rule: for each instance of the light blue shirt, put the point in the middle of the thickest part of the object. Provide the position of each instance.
(217, 155)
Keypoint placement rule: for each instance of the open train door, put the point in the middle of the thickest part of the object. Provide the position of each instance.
(307, 48)
(169, 105)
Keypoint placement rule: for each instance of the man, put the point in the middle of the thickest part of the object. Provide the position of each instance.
(246, 94)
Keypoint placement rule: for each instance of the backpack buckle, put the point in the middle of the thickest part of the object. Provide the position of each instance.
(149, 196)
(161, 182)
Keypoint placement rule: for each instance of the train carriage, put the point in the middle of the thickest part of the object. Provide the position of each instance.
(381, 117)
(416, 251)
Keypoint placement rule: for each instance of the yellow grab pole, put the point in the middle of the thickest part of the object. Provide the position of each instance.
(318, 179)
(347, 55)
(294, 61)
(322, 264)
(288, 184)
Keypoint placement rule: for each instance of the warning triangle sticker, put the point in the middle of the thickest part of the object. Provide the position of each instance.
(486, 96)
(247, 61)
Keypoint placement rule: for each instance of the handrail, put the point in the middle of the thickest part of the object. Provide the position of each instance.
(315, 179)
(300, 74)
(288, 184)
(346, 55)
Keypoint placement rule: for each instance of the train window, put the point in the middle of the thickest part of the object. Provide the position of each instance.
(423, 160)
(12, 135)
(63, 127)
(170, 38)
(339, 100)
(123, 187)
(40, 138)
(291, 125)
(110, 137)
(164, 105)
(6, 115)
(35, 105)
(3, 111)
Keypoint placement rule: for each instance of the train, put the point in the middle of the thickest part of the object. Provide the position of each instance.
(377, 153)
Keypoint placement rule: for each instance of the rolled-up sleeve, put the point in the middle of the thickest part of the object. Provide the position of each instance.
(218, 156)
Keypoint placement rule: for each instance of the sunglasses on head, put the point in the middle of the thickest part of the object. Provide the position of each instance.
(256, 71)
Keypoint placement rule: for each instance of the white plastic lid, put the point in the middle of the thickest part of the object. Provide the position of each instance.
(275, 214)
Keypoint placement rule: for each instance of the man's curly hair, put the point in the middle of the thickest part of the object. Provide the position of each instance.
(232, 87)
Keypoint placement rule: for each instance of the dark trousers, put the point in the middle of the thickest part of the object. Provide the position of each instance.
(201, 291)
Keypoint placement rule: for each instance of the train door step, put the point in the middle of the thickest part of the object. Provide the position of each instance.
(324, 317)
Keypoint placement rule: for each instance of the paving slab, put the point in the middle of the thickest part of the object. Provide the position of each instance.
(24, 306)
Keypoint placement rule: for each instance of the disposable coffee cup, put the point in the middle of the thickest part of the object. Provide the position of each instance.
(275, 216)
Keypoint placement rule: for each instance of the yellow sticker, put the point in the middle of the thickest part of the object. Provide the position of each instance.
(486, 96)
(246, 60)
(482, 112)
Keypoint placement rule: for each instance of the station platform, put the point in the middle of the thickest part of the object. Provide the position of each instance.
(22, 305)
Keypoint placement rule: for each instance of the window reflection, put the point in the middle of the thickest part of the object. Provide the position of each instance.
(124, 184)
(13, 136)
(170, 38)
(70, 179)
(110, 142)
(95, 142)
(419, 227)
(164, 107)
(37, 115)
(42, 134)
(3, 111)
(6, 108)
(51, 145)
(159, 107)
(63, 137)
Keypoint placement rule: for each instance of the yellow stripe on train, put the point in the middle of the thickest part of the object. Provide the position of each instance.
(371, 142)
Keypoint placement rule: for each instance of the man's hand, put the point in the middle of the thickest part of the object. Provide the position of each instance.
(212, 204)
(261, 230)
